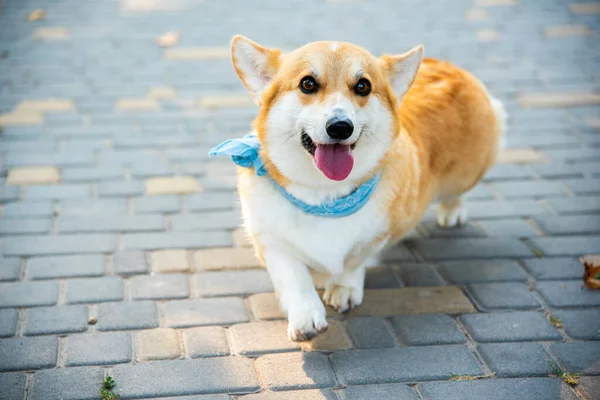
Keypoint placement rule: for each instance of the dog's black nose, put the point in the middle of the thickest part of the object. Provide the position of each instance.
(339, 129)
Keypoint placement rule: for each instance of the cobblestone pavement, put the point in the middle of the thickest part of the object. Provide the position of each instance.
(121, 253)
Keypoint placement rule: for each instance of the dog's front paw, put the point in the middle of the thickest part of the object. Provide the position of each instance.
(306, 319)
(343, 298)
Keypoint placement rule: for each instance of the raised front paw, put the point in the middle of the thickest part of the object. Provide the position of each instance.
(342, 298)
(306, 319)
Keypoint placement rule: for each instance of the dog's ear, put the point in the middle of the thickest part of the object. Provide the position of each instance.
(255, 65)
(402, 69)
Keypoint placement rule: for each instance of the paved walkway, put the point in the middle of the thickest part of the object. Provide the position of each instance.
(121, 253)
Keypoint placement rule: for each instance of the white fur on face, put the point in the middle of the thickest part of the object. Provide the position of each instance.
(288, 118)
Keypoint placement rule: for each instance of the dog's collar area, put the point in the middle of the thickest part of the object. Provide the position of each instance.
(245, 153)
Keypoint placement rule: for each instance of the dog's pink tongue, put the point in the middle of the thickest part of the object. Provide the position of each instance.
(335, 161)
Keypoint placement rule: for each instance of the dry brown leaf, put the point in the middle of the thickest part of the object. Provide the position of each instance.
(591, 276)
(168, 39)
(36, 15)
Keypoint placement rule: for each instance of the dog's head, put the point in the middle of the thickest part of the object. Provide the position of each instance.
(328, 111)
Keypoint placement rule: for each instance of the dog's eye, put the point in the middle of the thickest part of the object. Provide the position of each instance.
(363, 87)
(308, 85)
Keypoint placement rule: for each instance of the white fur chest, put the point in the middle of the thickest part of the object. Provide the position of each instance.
(321, 243)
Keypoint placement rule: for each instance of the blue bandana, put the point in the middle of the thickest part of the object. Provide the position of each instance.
(244, 152)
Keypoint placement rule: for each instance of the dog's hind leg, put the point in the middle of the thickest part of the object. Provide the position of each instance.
(452, 212)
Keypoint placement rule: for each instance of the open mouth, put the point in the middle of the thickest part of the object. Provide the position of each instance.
(334, 160)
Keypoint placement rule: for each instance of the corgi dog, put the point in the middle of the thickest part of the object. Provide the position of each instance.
(349, 151)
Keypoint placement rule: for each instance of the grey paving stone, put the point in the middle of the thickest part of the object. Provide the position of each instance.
(467, 231)
(56, 245)
(508, 228)
(554, 268)
(143, 170)
(558, 171)
(67, 383)
(427, 329)
(529, 189)
(130, 262)
(509, 327)
(307, 394)
(419, 275)
(590, 386)
(188, 313)
(296, 371)
(27, 294)
(261, 337)
(578, 357)
(381, 277)
(516, 359)
(209, 341)
(569, 224)
(28, 353)
(219, 184)
(92, 174)
(58, 192)
(579, 205)
(120, 189)
(120, 223)
(161, 286)
(65, 266)
(477, 271)
(513, 295)
(210, 202)
(55, 320)
(498, 389)
(60, 159)
(370, 333)
(568, 294)
(580, 324)
(94, 290)
(97, 349)
(73, 208)
(8, 322)
(206, 221)
(176, 240)
(448, 249)
(157, 204)
(127, 315)
(568, 245)
(200, 397)
(27, 209)
(386, 391)
(584, 186)
(229, 283)
(9, 193)
(10, 269)
(26, 226)
(358, 367)
(398, 253)
(507, 172)
(511, 209)
(13, 385)
(186, 377)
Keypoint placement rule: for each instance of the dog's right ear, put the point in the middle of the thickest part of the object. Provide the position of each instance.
(255, 65)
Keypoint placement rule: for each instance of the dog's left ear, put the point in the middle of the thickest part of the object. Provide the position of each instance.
(402, 69)
(254, 64)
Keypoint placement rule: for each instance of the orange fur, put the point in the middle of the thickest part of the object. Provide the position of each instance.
(449, 125)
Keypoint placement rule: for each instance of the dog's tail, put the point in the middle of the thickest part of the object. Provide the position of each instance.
(501, 121)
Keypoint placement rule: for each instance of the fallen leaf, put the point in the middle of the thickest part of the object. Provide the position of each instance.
(591, 276)
(168, 39)
(36, 15)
